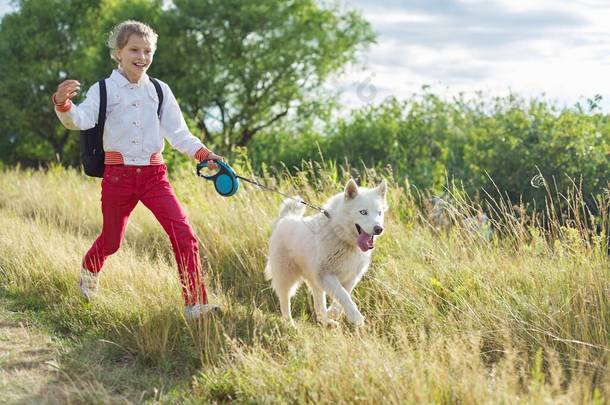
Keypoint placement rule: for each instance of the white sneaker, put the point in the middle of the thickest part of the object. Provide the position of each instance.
(192, 312)
(88, 283)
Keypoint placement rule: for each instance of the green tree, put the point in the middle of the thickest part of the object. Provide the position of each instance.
(40, 44)
(240, 66)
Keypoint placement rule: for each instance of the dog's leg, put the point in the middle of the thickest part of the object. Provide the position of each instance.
(334, 288)
(285, 308)
(319, 303)
(335, 310)
(285, 284)
(284, 292)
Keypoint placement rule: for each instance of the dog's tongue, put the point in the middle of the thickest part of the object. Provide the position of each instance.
(365, 241)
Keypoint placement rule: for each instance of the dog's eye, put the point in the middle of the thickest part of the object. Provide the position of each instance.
(364, 212)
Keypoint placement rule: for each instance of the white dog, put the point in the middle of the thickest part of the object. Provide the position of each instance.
(330, 254)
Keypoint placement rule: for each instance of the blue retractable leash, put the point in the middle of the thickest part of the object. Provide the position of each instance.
(225, 180)
(226, 183)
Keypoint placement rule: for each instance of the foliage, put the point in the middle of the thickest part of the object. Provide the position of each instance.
(496, 145)
(42, 44)
(245, 65)
(236, 66)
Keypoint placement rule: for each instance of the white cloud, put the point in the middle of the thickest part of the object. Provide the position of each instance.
(559, 49)
(380, 17)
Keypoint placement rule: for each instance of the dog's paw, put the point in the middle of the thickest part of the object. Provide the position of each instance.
(290, 322)
(355, 318)
(329, 323)
(335, 312)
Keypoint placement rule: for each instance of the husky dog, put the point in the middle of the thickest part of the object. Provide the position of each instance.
(330, 254)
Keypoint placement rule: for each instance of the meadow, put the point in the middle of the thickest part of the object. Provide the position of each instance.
(450, 318)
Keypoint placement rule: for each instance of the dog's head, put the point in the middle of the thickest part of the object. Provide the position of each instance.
(360, 213)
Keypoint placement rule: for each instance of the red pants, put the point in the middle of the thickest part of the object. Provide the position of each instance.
(122, 188)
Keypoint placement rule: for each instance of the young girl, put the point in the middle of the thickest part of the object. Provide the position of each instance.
(134, 169)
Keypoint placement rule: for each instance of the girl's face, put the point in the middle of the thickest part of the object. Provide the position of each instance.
(135, 57)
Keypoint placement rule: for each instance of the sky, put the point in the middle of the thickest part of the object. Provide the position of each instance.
(556, 49)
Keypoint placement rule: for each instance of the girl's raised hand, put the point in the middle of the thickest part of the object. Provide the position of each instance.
(66, 91)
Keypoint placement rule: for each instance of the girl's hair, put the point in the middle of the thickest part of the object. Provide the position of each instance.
(120, 34)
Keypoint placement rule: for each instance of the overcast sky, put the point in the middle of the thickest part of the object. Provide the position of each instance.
(559, 48)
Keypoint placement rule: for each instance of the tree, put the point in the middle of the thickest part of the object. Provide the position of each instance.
(240, 66)
(40, 44)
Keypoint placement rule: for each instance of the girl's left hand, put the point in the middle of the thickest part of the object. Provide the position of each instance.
(211, 160)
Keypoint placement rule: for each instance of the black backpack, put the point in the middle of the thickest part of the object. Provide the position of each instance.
(91, 143)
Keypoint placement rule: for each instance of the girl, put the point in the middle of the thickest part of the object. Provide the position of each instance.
(134, 169)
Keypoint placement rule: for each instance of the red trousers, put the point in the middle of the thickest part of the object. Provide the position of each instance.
(122, 188)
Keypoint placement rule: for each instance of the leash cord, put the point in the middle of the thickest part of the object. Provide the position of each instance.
(322, 210)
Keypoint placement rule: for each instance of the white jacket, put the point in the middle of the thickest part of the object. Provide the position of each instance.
(132, 126)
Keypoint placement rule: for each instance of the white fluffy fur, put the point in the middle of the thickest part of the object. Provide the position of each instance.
(324, 252)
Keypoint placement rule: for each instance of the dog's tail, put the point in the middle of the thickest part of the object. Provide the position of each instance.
(292, 207)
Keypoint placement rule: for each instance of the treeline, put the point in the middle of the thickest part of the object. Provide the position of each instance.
(506, 146)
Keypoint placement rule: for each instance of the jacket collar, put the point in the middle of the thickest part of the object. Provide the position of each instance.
(122, 81)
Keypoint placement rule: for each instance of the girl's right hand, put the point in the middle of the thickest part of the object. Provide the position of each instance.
(211, 158)
(66, 91)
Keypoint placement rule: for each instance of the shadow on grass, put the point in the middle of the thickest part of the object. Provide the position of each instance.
(132, 356)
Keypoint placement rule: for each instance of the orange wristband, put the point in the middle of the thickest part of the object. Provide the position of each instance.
(202, 154)
(65, 106)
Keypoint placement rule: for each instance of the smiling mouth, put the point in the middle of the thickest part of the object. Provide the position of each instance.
(365, 241)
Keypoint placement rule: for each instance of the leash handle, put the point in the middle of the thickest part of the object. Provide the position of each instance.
(203, 164)
(225, 180)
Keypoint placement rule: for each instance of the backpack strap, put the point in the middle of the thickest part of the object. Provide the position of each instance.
(155, 82)
(101, 116)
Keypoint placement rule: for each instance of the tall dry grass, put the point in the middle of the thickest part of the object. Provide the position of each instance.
(450, 318)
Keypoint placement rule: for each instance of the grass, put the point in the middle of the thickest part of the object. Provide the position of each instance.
(523, 318)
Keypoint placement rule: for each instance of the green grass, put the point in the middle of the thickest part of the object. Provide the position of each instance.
(449, 318)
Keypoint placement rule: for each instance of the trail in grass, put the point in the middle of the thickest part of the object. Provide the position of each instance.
(32, 369)
(29, 365)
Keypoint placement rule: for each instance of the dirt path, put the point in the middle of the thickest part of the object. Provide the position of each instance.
(29, 368)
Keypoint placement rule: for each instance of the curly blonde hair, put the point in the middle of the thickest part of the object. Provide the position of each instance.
(120, 34)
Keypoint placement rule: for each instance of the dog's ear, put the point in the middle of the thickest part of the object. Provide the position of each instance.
(382, 188)
(351, 189)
